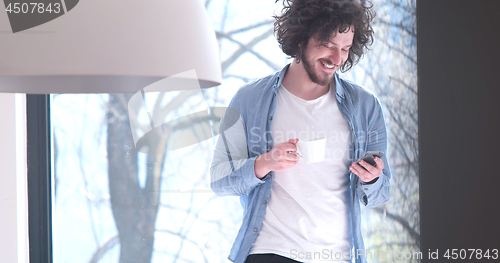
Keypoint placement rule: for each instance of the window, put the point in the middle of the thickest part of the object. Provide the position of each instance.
(109, 201)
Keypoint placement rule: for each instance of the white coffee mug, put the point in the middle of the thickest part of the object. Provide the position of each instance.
(312, 151)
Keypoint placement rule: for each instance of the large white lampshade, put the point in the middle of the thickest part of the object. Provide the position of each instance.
(109, 46)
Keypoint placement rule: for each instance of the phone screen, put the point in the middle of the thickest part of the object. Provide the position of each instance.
(368, 157)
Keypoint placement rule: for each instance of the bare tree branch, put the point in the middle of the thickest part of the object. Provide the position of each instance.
(247, 48)
(397, 25)
(245, 79)
(404, 244)
(102, 249)
(406, 226)
(173, 104)
(79, 150)
(184, 237)
(400, 51)
(404, 85)
(250, 27)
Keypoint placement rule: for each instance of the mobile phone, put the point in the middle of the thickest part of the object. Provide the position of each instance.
(368, 157)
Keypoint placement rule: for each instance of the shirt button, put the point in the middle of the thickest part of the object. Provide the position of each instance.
(366, 189)
(269, 147)
(260, 184)
(270, 117)
(264, 202)
(255, 230)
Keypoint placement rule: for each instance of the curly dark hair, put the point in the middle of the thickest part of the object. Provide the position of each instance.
(303, 19)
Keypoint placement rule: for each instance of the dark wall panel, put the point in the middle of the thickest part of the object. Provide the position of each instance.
(459, 128)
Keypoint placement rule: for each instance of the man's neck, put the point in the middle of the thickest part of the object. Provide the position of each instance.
(299, 84)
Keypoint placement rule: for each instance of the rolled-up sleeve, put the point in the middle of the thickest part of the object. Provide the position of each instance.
(376, 193)
(232, 171)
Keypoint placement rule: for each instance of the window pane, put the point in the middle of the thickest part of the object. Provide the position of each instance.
(112, 201)
(108, 195)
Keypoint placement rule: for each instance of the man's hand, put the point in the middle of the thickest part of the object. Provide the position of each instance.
(280, 158)
(370, 173)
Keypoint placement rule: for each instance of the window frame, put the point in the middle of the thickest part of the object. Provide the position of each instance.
(38, 141)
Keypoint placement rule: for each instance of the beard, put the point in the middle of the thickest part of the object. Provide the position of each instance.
(323, 80)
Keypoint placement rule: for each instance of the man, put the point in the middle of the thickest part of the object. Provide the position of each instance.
(294, 210)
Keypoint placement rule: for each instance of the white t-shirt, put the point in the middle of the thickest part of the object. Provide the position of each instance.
(308, 215)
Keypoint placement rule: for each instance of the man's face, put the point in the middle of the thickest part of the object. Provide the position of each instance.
(322, 59)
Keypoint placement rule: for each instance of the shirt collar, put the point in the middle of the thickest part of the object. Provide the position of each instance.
(279, 78)
(339, 89)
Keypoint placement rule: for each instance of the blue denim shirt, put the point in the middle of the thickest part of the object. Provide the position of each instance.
(232, 169)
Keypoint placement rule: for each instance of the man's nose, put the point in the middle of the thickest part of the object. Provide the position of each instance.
(336, 57)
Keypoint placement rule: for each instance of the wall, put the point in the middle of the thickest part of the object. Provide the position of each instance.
(13, 199)
(459, 129)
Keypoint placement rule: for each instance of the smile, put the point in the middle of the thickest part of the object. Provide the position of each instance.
(329, 66)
